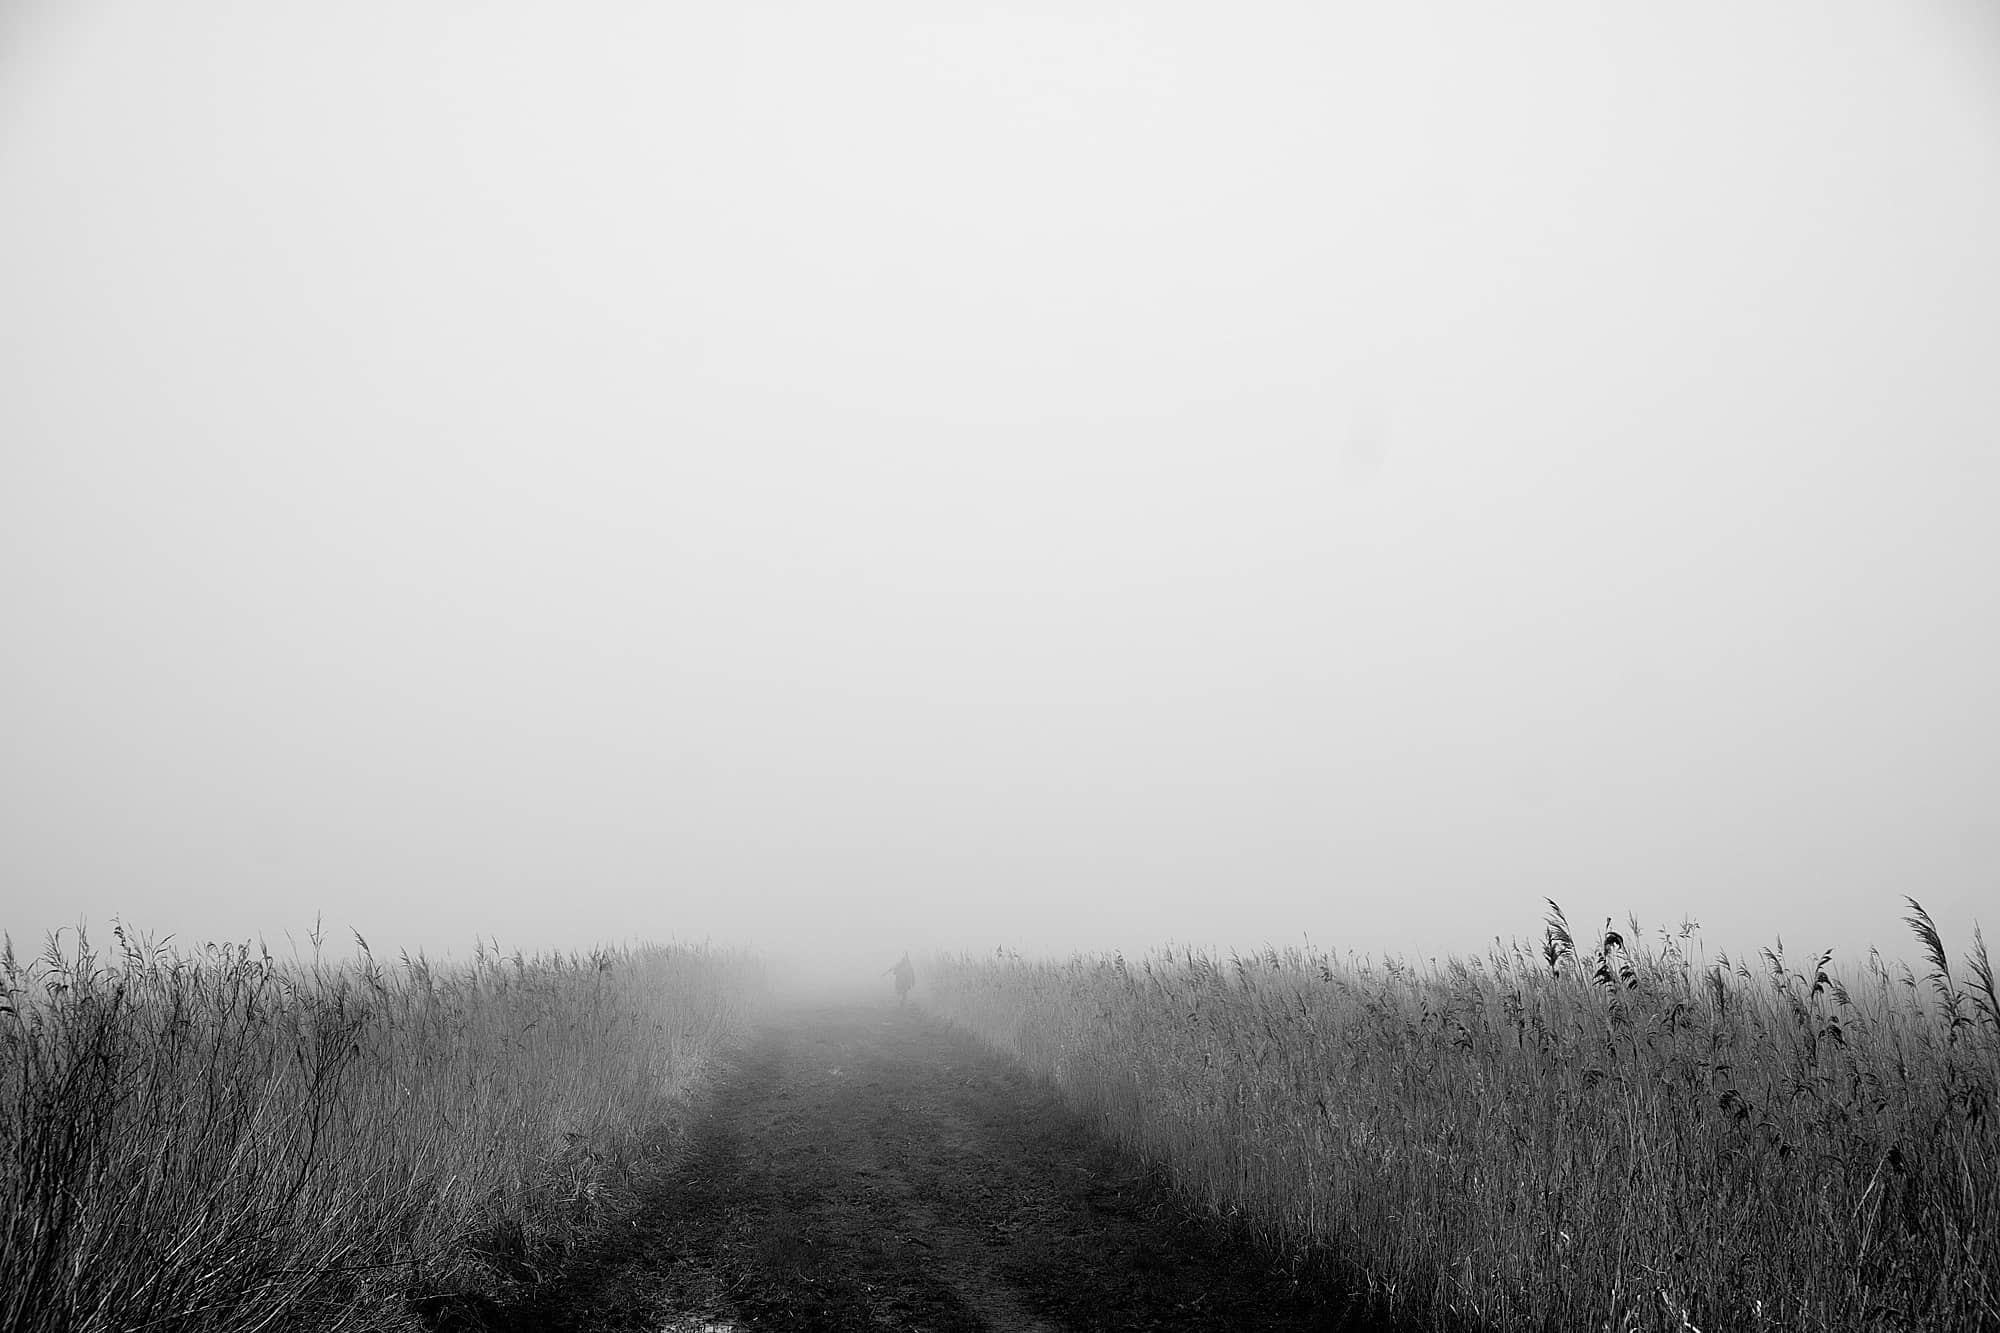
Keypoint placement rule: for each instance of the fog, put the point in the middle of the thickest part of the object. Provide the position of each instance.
(889, 476)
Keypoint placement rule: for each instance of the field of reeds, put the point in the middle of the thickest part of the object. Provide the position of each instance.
(218, 1139)
(1577, 1133)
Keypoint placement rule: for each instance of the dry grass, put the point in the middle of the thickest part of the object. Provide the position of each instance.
(1578, 1134)
(222, 1140)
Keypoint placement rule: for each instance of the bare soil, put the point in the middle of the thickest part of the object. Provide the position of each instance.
(864, 1167)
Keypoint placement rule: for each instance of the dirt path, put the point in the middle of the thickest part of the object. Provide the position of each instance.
(866, 1168)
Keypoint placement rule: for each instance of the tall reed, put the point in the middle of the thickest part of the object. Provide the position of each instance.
(218, 1139)
(1594, 1133)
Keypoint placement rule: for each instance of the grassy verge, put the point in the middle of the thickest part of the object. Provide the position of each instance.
(218, 1139)
(1577, 1134)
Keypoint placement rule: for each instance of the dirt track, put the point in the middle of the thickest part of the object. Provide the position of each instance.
(866, 1168)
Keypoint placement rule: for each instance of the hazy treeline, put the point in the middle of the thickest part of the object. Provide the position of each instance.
(1579, 1133)
(219, 1139)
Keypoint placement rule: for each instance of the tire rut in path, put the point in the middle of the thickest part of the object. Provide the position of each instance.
(863, 1167)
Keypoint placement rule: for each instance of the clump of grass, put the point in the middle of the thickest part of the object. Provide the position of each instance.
(218, 1139)
(1578, 1133)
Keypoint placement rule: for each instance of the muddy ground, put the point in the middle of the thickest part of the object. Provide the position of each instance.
(864, 1167)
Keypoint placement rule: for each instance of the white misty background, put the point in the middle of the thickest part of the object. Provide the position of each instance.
(891, 475)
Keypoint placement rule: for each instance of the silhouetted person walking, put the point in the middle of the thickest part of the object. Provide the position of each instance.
(906, 977)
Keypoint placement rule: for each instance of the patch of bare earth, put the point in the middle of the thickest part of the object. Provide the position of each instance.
(863, 1167)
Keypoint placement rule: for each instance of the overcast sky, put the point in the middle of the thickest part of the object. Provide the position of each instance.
(1042, 474)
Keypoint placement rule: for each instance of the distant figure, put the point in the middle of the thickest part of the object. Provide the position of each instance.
(906, 977)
